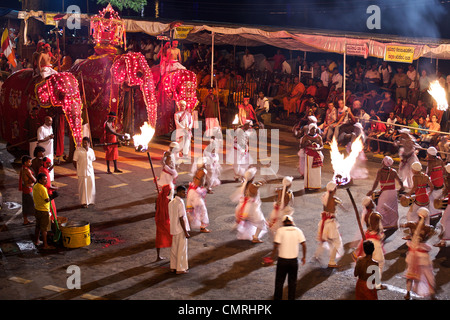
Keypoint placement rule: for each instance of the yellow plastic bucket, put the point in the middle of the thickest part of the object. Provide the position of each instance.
(76, 234)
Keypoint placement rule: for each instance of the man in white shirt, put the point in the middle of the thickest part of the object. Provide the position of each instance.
(179, 227)
(82, 161)
(413, 91)
(286, 242)
(249, 63)
(45, 139)
(262, 106)
(385, 71)
(324, 76)
(336, 79)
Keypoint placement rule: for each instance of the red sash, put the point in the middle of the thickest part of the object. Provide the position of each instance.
(422, 198)
(317, 160)
(387, 185)
(240, 215)
(325, 216)
(437, 176)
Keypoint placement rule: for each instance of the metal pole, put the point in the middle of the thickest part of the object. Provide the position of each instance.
(345, 66)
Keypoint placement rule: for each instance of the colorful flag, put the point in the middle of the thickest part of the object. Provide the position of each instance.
(8, 49)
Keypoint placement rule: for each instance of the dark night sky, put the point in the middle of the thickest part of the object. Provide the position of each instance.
(414, 18)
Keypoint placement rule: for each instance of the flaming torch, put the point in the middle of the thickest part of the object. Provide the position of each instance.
(439, 95)
(141, 142)
(342, 165)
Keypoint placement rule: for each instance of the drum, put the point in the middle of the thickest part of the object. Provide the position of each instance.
(440, 203)
(375, 196)
(406, 201)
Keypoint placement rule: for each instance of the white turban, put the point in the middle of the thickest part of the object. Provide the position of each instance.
(250, 174)
(432, 151)
(388, 161)
(423, 212)
(174, 145)
(312, 119)
(287, 181)
(417, 166)
(447, 167)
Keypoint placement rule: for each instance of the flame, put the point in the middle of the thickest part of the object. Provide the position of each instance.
(236, 119)
(439, 95)
(142, 140)
(342, 165)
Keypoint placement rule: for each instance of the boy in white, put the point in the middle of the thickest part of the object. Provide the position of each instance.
(82, 161)
(179, 227)
(45, 140)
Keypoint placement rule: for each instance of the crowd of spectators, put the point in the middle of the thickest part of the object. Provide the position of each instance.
(379, 96)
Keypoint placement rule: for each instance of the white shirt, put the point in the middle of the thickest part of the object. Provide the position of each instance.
(289, 238)
(385, 73)
(325, 77)
(177, 211)
(42, 133)
(337, 78)
(84, 160)
(263, 104)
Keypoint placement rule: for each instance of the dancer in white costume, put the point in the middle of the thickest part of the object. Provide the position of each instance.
(282, 206)
(195, 201)
(387, 203)
(328, 228)
(169, 172)
(250, 221)
(407, 153)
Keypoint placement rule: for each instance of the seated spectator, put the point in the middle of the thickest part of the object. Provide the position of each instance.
(290, 102)
(377, 129)
(420, 111)
(436, 112)
(385, 106)
(390, 133)
(405, 109)
(412, 123)
(329, 121)
(322, 93)
(262, 107)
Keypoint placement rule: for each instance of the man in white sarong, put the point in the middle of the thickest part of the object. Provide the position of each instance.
(183, 131)
(179, 229)
(328, 228)
(174, 58)
(250, 221)
(387, 203)
(283, 205)
(212, 165)
(242, 158)
(407, 153)
(82, 161)
(45, 139)
(169, 172)
(312, 144)
(300, 132)
(436, 171)
(44, 62)
(195, 201)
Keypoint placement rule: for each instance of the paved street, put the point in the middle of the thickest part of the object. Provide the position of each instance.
(120, 264)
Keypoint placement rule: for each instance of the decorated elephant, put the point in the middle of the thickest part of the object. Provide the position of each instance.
(21, 92)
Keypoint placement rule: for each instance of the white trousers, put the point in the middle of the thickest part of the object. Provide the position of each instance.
(179, 253)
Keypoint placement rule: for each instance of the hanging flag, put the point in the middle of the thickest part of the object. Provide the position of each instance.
(7, 48)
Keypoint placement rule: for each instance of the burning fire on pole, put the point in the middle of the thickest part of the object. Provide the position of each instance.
(439, 95)
(342, 165)
(142, 140)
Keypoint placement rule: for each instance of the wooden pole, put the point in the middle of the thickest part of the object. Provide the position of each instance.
(153, 171)
(356, 213)
(212, 60)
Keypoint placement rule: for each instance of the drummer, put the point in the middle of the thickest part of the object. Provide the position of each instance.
(421, 181)
(387, 203)
(436, 172)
